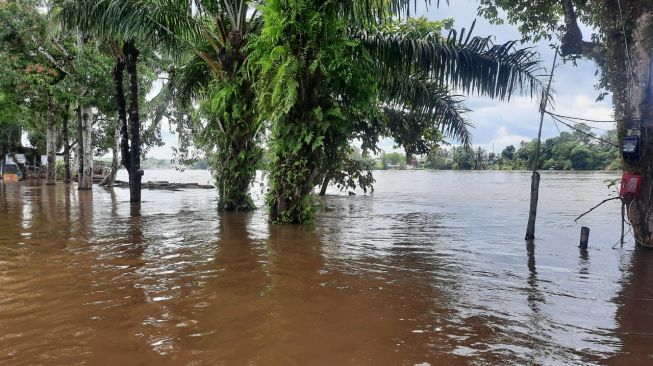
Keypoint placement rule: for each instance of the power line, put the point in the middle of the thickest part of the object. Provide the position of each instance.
(575, 122)
(584, 119)
(585, 133)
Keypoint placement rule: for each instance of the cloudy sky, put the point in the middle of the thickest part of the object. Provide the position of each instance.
(498, 124)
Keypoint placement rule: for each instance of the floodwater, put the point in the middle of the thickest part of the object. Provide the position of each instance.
(431, 269)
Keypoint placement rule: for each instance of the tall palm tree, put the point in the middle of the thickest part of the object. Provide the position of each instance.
(214, 74)
(103, 20)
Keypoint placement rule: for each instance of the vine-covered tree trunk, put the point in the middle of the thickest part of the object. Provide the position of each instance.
(295, 165)
(51, 142)
(236, 145)
(66, 144)
(85, 178)
(638, 114)
(236, 169)
(134, 151)
(301, 130)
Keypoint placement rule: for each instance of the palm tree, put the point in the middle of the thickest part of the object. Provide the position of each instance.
(104, 20)
(213, 73)
(206, 43)
(332, 70)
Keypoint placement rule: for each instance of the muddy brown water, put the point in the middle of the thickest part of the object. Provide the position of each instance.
(430, 270)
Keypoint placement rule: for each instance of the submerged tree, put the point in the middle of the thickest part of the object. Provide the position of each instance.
(622, 47)
(213, 73)
(119, 25)
(330, 71)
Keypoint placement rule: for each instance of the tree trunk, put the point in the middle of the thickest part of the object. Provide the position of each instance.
(641, 105)
(291, 200)
(66, 144)
(237, 156)
(325, 184)
(74, 167)
(134, 168)
(111, 178)
(234, 147)
(51, 141)
(123, 129)
(295, 173)
(85, 178)
(79, 151)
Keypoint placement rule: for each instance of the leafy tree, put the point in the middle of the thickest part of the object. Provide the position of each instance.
(393, 159)
(581, 157)
(29, 71)
(438, 158)
(480, 159)
(355, 171)
(206, 43)
(582, 133)
(463, 158)
(45, 72)
(508, 152)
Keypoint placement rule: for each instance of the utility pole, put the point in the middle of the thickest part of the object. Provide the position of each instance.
(535, 179)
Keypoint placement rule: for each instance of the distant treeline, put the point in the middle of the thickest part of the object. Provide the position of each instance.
(576, 150)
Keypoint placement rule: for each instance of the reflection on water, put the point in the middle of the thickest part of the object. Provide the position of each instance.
(429, 270)
(635, 314)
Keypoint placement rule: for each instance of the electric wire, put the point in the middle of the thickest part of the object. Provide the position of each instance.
(576, 123)
(585, 133)
(584, 119)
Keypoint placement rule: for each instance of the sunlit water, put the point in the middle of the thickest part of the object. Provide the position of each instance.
(431, 269)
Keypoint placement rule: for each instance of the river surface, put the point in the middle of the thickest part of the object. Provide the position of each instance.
(431, 269)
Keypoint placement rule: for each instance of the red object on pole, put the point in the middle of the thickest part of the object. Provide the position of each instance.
(631, 184)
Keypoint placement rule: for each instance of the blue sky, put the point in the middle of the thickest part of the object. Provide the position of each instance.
(498, 124)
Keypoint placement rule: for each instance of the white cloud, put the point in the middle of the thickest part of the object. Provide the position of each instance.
(503, 138)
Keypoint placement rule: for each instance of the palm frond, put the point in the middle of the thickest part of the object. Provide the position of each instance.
(418, 110)
(365, 12)
(163, 23)
(471, 66)
(190, 79)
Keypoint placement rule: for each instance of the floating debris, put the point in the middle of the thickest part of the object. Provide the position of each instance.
(165, 185)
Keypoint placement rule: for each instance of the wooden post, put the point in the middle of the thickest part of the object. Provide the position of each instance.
(532, 213)
(584, 237)
(535, 180)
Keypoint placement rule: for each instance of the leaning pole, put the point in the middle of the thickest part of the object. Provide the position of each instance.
(535, 179)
